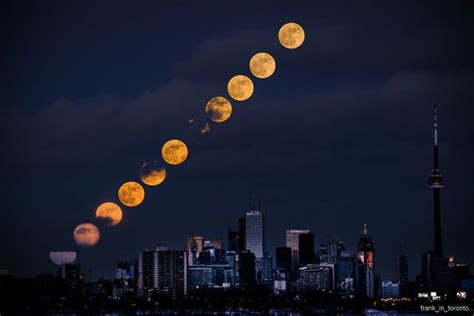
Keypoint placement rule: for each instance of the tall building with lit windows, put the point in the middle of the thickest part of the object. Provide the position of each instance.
(254, 233)
(293, 242)
(146, 280)
(366, 265)
(194, 244)
(171, 270)
(163, 272)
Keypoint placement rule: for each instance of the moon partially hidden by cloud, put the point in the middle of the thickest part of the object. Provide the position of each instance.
(240, 87)
(174, 152)
(86, 235)
(262, 65)
(60, 257)
(291, 35)
(110, 213)
(152, 174)
(131, 194)
(219, 109)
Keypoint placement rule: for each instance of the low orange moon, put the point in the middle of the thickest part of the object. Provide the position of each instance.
(131, 194)
(240, 87)
(174, 152)
(291, 35)
(262, 65)
(151, 173)
(219, 108)
(109, 212)
(86, 235)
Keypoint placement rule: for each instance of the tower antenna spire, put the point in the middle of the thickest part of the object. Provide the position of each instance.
(435, 139)
(436, 183)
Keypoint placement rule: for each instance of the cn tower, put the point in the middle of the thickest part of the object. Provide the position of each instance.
(436, 183)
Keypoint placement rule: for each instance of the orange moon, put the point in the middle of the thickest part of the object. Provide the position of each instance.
(291, 35)
(219, 108)
(174, 152)
(110, 212)
(86, 235)
(240, 87)
(262, 65)
(131, 194)
(152, 174)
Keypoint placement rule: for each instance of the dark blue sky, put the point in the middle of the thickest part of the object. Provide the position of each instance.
(338, 137)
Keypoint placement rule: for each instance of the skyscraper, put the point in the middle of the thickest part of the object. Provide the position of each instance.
(306, 248)
(317, 276)
(436, 183)
(217, 244)
(146, 272)
(254, 232)
(347, 273)
(194, 244)
(162, 271)
(171, 269)
(232, 240)
(323, 253)
(283, 258)
(334, 248)
(365, 255)
(402, 270)
(293, 241)
(265, 268)
(70, 271)
(247, 271)
(242, 242)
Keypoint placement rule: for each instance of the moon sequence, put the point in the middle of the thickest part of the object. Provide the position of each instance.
(152, 174)
(291, 35)
(262, 65)
(110, 213)
(219, 109)
(131, 194)
(174, 152)
(86, 235)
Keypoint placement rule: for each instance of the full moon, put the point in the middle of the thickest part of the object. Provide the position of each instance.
(152, 174)
(240, 87)
(86, 235)
(219, 108)
(131, 194)
(174, 152)
(262, 65)
(291, 35)
(110, 212)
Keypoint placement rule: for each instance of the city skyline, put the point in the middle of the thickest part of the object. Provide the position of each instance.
(335, 139)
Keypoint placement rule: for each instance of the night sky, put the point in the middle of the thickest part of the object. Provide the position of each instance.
(339, 136)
